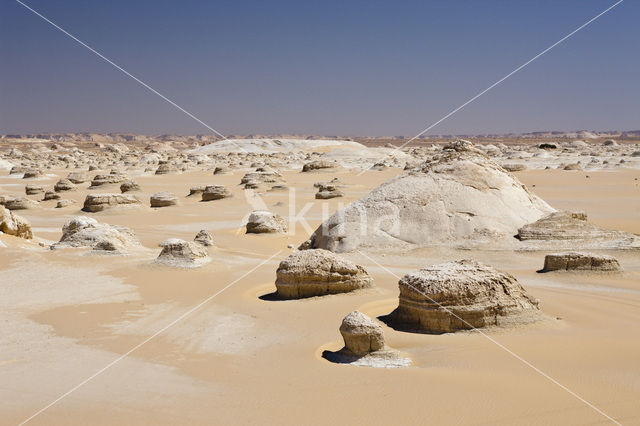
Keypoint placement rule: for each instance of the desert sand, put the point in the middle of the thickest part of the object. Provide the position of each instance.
(247, 357)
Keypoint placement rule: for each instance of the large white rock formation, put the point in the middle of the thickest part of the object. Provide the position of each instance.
(459, 196)
(82, 231)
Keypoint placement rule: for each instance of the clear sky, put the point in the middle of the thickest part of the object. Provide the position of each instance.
(319, 67)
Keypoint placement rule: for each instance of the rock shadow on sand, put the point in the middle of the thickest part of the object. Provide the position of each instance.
(379, 359)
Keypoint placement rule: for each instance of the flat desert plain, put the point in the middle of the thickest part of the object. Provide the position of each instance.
(104, 336)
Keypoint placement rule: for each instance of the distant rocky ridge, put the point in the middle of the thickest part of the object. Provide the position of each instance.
(208, 138)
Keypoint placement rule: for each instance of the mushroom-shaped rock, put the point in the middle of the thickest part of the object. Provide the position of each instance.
(99, 202)
(32, 174)
(166, 168)
(575, 261)
(203, 238)
(177, 252)
(215, 192)
(64, 185)
(110, 179)
(265, 222)
(364, 345)
(82, 231)
(163, 199)
(33, 189)
(20, 203)
(361, 334)
(12, 224)
(51, 195)
(461, 295)
(327, 191)
(129, 186)
(309, 273)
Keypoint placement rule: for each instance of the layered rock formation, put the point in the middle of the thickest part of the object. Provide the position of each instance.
(20, 203)
(166, 167)
(177, 252)
(129, 186)
(461, 295)
(319, 272)
(34, 173)
(33, 189)
(110, 179)
(51, 195)
(572, 230)
(163, 199)
(99, 202)
(575, 261)
(64, 185)
(260, 179)
(215, 192)
(328, 191)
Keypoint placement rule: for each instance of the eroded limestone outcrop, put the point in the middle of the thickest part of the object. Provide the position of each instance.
(364, 344)
(572, 230)
(265, 222)
(163, 199)
(309, 273)
(12, 224)
(361, 334)
(458, 197)
(575, 261)
(82, 231)
(461, 295)
(215, 192)
(177, 252)
(99, 202)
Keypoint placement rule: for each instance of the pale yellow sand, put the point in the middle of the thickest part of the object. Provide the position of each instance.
(243, 360)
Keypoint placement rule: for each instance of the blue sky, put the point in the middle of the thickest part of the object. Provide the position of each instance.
(321, 67)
